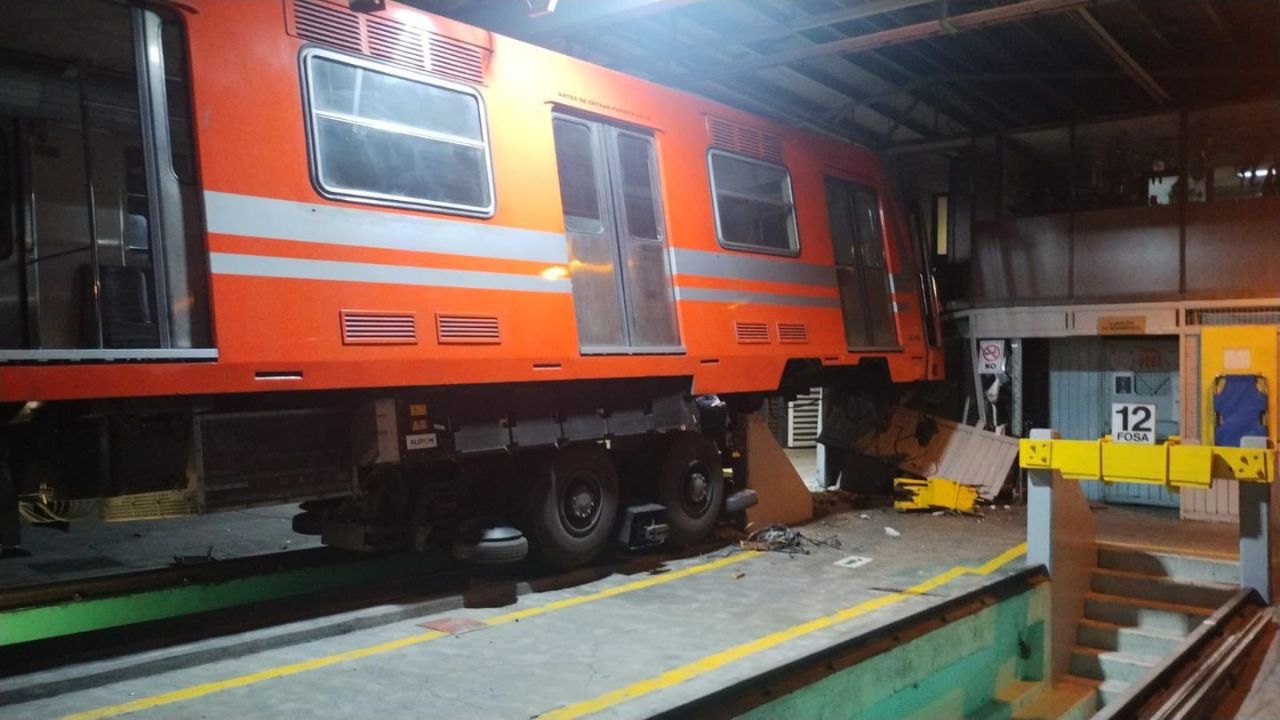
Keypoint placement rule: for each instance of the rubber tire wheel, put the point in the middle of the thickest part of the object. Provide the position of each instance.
(307, 522)
(554, 543)
(687, 451)
(491, 552)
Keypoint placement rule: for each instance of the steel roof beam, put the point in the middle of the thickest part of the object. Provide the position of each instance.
(1002, 110)
(571, 17)
(766, 98)
(1127, 63)
(879, 105)
(1144, 17)
(990, 49)
(813, 22)
(894, 36)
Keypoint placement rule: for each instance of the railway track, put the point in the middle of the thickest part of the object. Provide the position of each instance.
(53, 624)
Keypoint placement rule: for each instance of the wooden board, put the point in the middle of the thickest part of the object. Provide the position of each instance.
(957, 452)
(784, 498)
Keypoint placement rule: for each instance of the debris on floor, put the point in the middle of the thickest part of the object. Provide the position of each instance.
(853, 562)
(925, 445)
(784, 539)
(891, 532)
(936, 493)
(207, 557)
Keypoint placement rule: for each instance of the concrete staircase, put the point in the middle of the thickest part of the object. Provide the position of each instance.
(1140, 607)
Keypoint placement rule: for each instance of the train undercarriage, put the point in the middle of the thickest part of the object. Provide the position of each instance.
(566, 468)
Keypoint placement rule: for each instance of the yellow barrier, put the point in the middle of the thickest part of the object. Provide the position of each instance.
(933, 494)
(1173, 464)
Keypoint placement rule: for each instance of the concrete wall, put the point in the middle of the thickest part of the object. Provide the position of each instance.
(1074, 554)
(951, 672)
(1129, 255)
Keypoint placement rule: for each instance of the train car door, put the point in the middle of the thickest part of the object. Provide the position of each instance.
(101, 248)
(622, 291)
(11, 320)
(862, 271)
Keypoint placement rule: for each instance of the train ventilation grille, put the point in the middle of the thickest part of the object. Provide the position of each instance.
(744, 140)
(388, 40)
(378, 328)
(455, 59)
(328, 24)
(793, 333)
(467, 330)
(751, 332)
(392, 41)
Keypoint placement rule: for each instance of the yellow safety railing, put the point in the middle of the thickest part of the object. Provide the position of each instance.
(1173, 464)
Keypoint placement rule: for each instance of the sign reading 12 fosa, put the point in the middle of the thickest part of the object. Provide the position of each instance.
(1133, 423)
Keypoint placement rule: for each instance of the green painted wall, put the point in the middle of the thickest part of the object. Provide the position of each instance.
(952, 672)
(47, 621)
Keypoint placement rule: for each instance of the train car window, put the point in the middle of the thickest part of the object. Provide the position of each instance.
(870, 235)
(637, 187)
(383, 135)
(753, 204)
(575, 162)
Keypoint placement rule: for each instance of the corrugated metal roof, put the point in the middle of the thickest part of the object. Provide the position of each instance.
(888, 72)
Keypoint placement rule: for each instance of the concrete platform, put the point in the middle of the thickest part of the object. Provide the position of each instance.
(625, 645)
(617, 647)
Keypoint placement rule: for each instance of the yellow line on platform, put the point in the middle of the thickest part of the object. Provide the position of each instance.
(195, 691)
(738, 652)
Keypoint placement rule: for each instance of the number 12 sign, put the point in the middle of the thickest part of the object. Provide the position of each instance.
(1133, 423)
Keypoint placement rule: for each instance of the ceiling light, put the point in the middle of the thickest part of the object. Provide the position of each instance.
(541, 7)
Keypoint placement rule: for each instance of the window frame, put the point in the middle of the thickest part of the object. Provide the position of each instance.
(383, 199)
(794, 251)
(603, 214)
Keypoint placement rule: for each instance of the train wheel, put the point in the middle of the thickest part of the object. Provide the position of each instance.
(691, 486)
(574, 505)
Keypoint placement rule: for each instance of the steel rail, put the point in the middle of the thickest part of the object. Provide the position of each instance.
(1142, 692)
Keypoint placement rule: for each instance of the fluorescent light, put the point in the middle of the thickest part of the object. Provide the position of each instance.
(541, 7)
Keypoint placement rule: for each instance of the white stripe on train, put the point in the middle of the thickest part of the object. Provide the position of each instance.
(269, 218)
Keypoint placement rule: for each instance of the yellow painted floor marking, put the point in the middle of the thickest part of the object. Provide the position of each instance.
(209, 688)
(733, 654)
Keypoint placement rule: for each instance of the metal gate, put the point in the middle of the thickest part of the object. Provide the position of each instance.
(1088, 374)
(802, 419)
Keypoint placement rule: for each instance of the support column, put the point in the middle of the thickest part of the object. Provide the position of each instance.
(1040, 510)
(1257, 536)
(1061, 535)
(820, 452)
(1016, 404)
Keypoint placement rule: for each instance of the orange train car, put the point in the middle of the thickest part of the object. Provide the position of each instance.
(260, 251)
